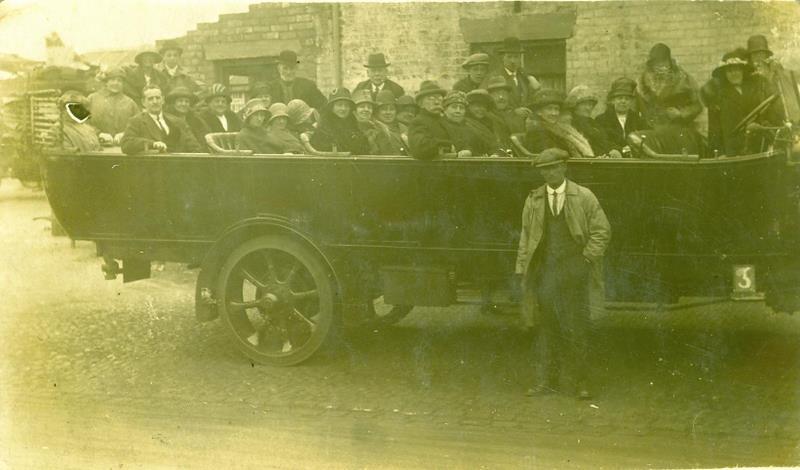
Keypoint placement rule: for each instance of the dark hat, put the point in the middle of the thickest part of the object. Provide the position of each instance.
(476, 59)
(340, 94)
(362, 96)
(429, 87)
(288, 57)
(114, 73)
(180, 92)
(72, 96)
(376, 61)
(385, 97)
(155, 55)
(659, 52)
(731, 59)
(480, 96)
(579, 94)
(217, 89)
(258, 88)
(758, 43)
(511, 45)
(252, 107)
(622, 86)
(546, 96)
(497, 82)
(406, 101)
(170, 46)
(550, 157)
(454, 97)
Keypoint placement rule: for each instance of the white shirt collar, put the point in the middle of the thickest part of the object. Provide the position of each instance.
(158, 116)
(224, 121)
(559, 190)
(171, 70)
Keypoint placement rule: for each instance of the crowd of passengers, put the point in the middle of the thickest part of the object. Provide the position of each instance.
(157, 107)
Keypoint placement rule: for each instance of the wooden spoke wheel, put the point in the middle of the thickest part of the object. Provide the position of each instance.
(382, 314)
(277, 298)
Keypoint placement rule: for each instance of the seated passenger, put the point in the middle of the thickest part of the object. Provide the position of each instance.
(179, 106)
(483, 124)
(172, 71)
(620, 117)
(253, 135)
(406, 110)
(386, 114)
(302, 117)
(455, 109)
(546, 130)
(278, 134)
(381, 140)
(427, 136)
(338, 129)
(580, 103)
(509, 122)
(77, 135)
(261, 91)
(151, 130)
(219, 117)
(289, 86)
(111, 108)
(477, 66)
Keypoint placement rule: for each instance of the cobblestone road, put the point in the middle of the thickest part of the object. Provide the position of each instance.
(97, 374)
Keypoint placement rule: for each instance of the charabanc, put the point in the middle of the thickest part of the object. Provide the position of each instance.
(292, 247)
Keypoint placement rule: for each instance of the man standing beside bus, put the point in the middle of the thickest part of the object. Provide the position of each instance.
(560, 259)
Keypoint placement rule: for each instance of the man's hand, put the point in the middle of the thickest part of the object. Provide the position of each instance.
(464, 153)
(105, 139)
(160, 146)
(614, 153)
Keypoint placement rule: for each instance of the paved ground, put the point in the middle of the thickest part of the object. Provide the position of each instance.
(97, 374)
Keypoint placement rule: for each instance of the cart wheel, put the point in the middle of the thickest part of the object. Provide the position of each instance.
(276, 296)
(382, 314)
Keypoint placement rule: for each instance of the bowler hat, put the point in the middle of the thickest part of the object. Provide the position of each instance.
(429, 87)
(622, 86)
(155, 55)
(737, 58)
(170, 46)
(406, 101)
(377, 60)
(659, 52)
(252, 107)
(758, 43)
(384, 98)
(579, 94)
(278, 110)
(218, 89)
(362, 96)
(455, 97)
(480, 96)
(180, 92)
(497, 82)
(545, 97)
(288, 57)
(476, 59)
(114, 73)
(340, 94)
(511, 45)
(550, 157)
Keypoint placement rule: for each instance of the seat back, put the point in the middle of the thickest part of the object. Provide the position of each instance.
(519, 148)
(305, 139)
(224, 143)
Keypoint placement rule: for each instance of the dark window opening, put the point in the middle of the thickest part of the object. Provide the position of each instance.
(546, 60)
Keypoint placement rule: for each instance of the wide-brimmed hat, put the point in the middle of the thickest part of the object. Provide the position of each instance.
(580, 94)
(545, 97)
(377, 60)
(550, 157)
(217, 89)
(155, 55)
(476, 59)
(429, 87)
(659, 52)
(288, 57)
(736, 58)
(480, 96)
(362, 96)
(170, 46)
(299, 111)
(511, 45)
(406, 101)
(758, 43)
(340, 94)
(278, 110)
(455, 97)
(252, 107)
(385, 98)
(180, 92)
(622, 86)
(114, 73)
(497, 83)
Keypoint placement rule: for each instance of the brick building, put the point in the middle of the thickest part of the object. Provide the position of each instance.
(566, 43)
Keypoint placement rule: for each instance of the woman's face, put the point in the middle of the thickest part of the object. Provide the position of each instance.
(218, 105)
(455, 112)
(584, 108)
(364, 111)
(549, 113)
(182, 105)
(341, 109)
(257, 119)
(478, 110)
(622, 104)
(387, 113)
(279, 123)
(734, 75)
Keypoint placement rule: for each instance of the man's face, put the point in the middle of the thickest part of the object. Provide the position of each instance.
(287, 72)
(554, 175)
(377, 74)
(182, 105)
(549, 113)
(511, 61)
(266, 98)
(662, 67)
(477, 73)
(584, 108)
(406, 114)
(387, 113)
(152, 100)
(759, 57)
(432, 104)
(734, 75)
(147, 62)
(218, 105)
(454, 112)
(114, 85)
(622, 104)
(501, 98)
(341, 108)
(478, 110)
(364, 111)
(171, 58)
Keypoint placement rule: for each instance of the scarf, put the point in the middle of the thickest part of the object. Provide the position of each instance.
(576, 143)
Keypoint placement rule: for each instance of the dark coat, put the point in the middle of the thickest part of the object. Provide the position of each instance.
(344, 134)
(213, 124)
(733, 107)
(538, 139)
(198, 127)
(466, 85)
(135, 81)
(614, 133)
(302, 88)
(395, 88)
(486, 139)
(142, 132)
(678, 91)
(593, 133)
(180, 79)
(521, 92)
(462, 137)
(427, 136)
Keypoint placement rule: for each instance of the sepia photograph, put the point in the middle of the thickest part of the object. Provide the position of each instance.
(399, 235)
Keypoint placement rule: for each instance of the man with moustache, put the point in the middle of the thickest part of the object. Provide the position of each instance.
(377, 71)
(289, 86)
(427, 136)
(153, 131)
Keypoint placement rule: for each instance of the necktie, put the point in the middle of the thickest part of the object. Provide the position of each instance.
(555, 203)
